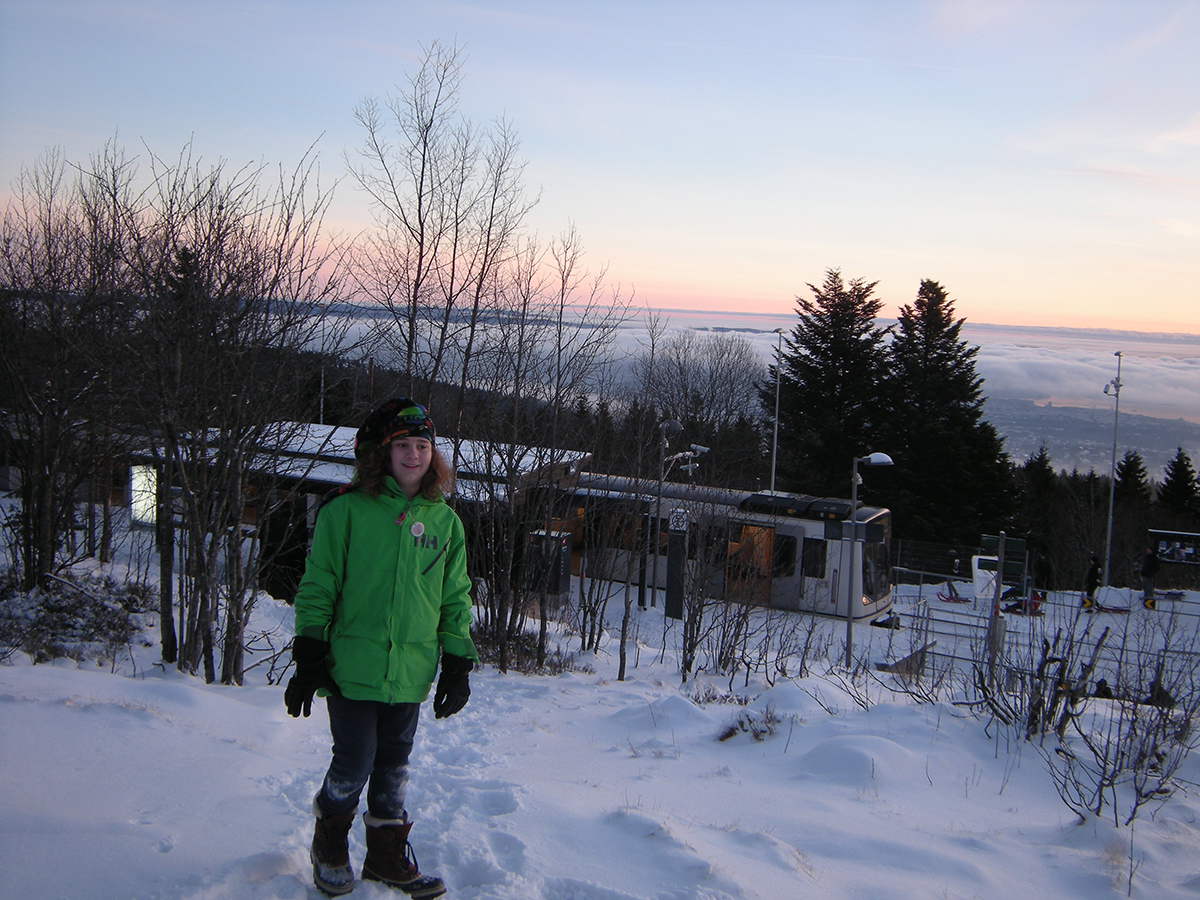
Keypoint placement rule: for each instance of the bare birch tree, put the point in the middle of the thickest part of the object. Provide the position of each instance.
(551, 340)
(449, 202)
(237, 280)
(65, 299)
(709, 380)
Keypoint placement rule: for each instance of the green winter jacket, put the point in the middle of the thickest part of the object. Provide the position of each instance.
(386, 592)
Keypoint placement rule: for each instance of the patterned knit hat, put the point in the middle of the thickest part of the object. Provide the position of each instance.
(399, 417)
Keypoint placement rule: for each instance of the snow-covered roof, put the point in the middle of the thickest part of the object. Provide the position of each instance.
(324, 455)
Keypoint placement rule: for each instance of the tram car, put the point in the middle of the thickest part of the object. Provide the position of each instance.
(784, 551)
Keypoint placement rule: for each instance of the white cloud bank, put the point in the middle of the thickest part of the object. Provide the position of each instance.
(1160, 373)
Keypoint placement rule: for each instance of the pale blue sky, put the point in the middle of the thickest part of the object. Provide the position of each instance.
(1041, 159)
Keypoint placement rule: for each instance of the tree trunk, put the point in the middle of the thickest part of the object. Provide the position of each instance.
(165, 538)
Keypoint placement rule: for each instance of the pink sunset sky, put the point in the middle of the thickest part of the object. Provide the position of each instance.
(1041, 160)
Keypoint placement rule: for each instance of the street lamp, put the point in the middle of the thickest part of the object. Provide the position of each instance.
(665, 430)
(871, 459)
(1115, 387)
(778, 372)
(689, 467)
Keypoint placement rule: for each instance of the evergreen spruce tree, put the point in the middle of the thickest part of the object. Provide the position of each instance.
(1132, 501)
(602, 447)
(1081, 526)
(735, 458)
(1133, 481)
(579, 426)
(1178, 503)
(830, 405)
(952, 480)
(1039, 516)
(632, 454)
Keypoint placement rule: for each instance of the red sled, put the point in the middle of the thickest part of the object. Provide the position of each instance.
(952, 595)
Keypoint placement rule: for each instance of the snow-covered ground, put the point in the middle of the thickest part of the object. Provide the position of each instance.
(145, 783)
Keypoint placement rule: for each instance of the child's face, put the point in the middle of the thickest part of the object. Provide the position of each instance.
(410, 459)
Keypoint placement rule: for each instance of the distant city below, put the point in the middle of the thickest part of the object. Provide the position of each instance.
(1082, 439)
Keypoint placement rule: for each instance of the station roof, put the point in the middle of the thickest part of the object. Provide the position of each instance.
(323, 455)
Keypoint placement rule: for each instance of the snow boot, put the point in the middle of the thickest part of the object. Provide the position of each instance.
(332, 872)
(390, 859)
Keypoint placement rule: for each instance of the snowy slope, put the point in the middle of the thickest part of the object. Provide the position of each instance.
(575, 787)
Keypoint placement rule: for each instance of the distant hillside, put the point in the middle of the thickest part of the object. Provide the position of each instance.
(1082, 438)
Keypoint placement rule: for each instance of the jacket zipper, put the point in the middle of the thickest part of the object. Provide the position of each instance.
(436, 558)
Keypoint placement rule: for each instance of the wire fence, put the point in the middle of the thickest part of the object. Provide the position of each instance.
(951, 629)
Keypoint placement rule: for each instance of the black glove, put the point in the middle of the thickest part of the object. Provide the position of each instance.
(453, 687)
(309, 656)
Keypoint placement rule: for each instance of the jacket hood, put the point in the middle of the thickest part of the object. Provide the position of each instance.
(392, 489)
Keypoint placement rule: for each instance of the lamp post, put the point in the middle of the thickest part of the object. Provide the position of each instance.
(672, 427)
(691, 466)
(1115, 387)
(778, 372)
(871, 459)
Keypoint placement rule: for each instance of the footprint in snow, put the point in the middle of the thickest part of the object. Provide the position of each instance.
(508, 850)
(453, 795)
(460, 757)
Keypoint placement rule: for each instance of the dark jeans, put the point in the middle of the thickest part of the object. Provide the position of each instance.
(371, 742)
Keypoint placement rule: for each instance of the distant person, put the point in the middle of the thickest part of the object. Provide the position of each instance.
(1149, 571)
(385, 591)
(1159, 696)
(951, 594)
(1091, 582)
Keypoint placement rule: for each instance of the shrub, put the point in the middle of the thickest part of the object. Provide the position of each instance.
(91, 618)
(522, 656)
(758, 723)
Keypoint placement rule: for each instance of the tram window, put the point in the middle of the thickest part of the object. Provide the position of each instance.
(620, 532)
(784, 563)
(875, 571)
(713, 547)
(812, 564)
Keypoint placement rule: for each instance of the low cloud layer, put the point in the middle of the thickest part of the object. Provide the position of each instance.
(1163, 387)
(1160, 373)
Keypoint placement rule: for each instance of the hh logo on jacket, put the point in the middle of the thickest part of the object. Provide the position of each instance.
(429, 542)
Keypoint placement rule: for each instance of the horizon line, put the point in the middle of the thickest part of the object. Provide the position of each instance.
(966, 321)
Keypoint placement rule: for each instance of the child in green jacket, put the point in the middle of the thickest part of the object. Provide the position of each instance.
(385, 588)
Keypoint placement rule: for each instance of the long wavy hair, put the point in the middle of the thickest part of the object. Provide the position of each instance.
(372, 467)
